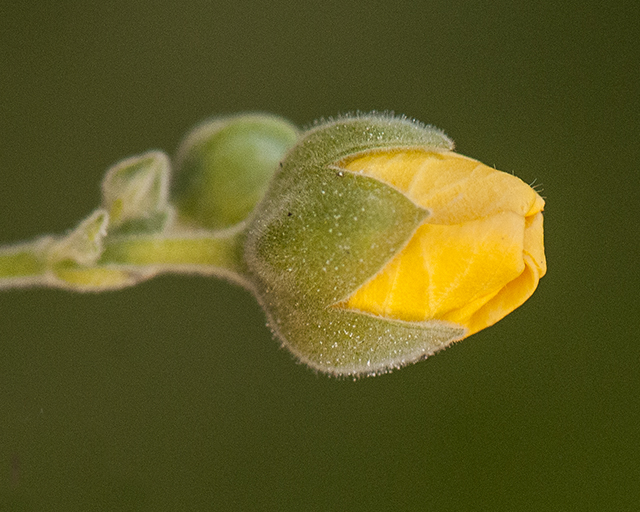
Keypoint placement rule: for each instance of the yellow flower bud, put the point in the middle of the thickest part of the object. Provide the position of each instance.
(376, 245)
(477, 257)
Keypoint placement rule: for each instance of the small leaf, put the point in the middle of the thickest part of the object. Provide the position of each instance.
(84, 244)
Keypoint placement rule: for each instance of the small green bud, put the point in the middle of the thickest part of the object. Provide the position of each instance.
(135, 193)
(322, 232)
(223, 168)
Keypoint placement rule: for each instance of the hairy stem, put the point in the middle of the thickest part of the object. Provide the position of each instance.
(126, 260)
(201, 252)
(23, 264)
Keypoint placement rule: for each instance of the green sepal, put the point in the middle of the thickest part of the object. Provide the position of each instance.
(325, 232)
(347, 343)
(332, 140)
(135, 193)
(224, 167)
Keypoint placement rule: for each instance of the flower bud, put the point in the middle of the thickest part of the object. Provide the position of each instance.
(376, 245)
(135, 193)
(225, 165)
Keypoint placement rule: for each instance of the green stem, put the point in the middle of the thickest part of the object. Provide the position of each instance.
(23, 264)
(126, 261)
(207, 252)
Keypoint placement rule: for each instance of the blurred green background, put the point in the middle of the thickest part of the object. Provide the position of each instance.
(173, 395)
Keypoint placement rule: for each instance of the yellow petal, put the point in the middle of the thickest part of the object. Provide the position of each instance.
(534, 242)
(445, 269)
(453, 187)
(477, 257)
(510, 297)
